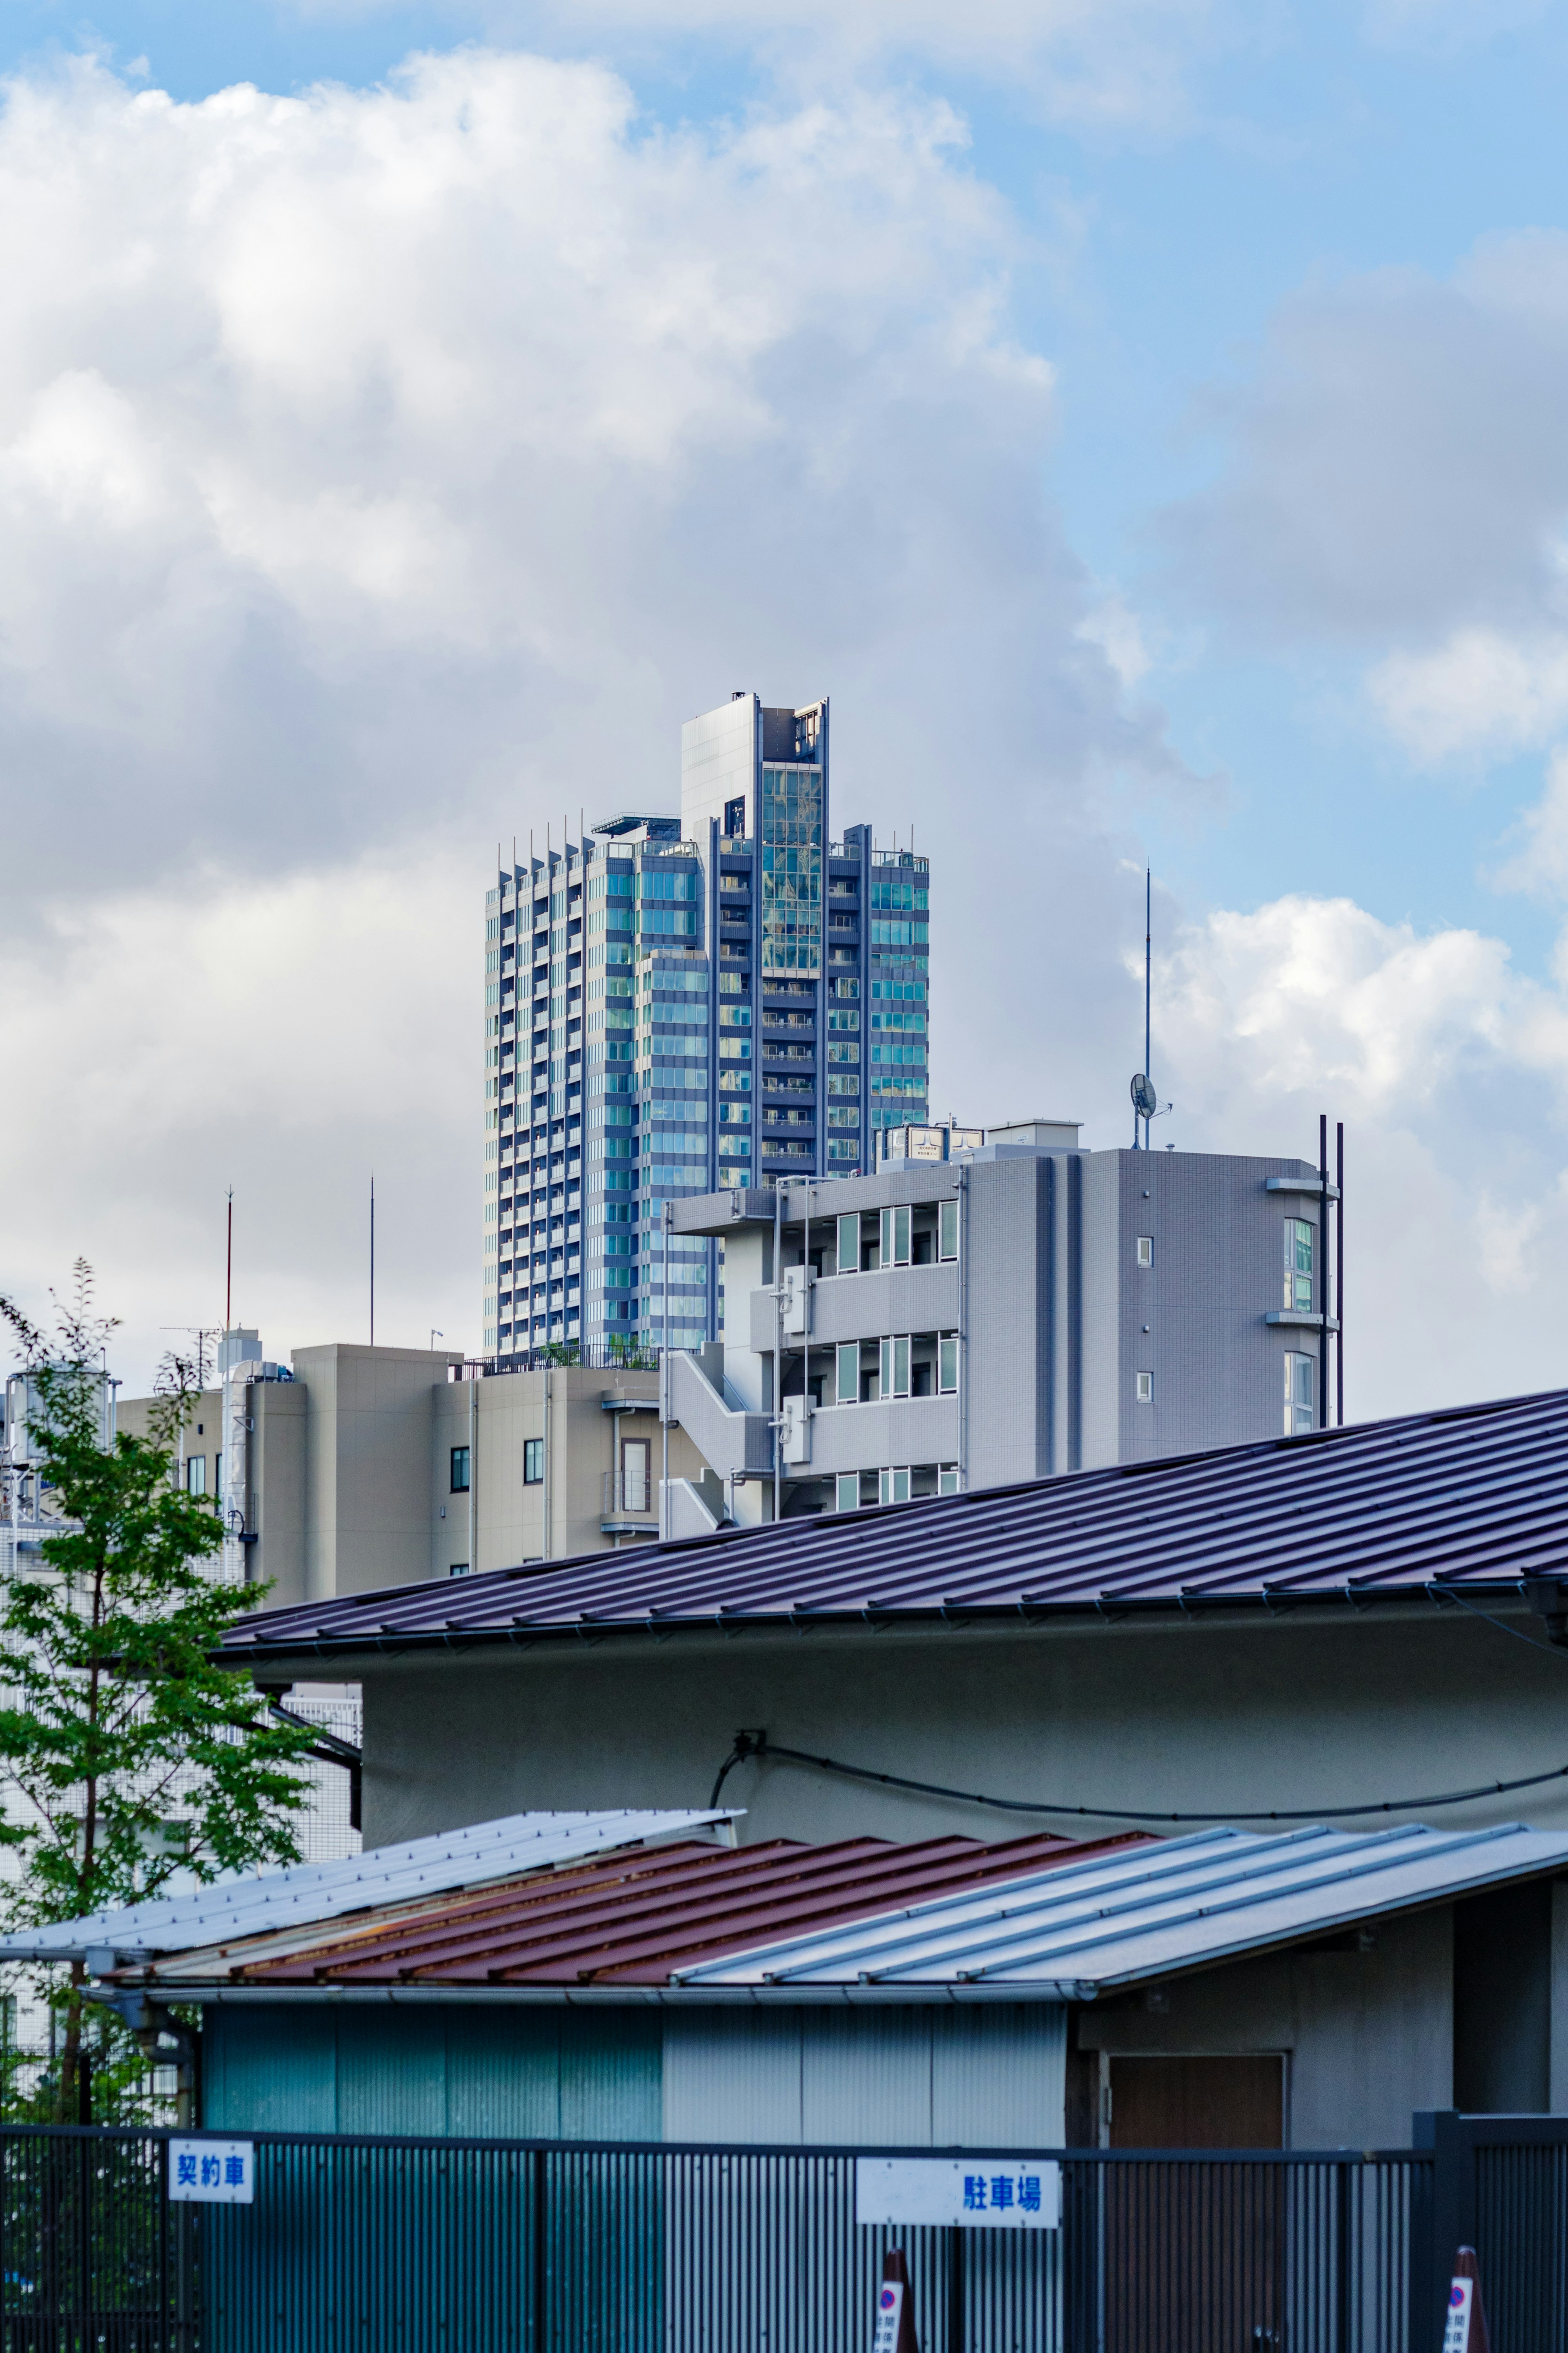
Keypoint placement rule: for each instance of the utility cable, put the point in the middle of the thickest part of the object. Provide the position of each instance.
(757, 1745)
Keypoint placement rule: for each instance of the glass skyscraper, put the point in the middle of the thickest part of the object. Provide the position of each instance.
(677, 1004)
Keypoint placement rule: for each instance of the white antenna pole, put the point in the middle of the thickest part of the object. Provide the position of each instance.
(1147, 952)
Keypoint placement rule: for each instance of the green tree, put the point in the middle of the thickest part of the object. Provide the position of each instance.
(126, 1754)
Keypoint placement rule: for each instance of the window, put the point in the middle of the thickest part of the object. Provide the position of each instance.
(1145, 1249)
(196, 1474)
(1300, 1401)
(218, 1474)
(459, 1569)
(1300, 1238)
(947, 1364)
(947, 1230)
(894, 1238)
(634, 1454)
(947, 1479)
(735, 819)
(532, 1461)
(849, 1243)
(893, 1367)
(847, 1387)
(459, 1469)
(893, 1487)
(846, 1491)
(1145, 1389)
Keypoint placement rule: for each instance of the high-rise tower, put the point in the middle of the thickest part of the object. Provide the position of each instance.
(679, 1004)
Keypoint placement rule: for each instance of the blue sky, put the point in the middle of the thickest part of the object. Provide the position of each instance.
(1144, 416)
(1309, 145)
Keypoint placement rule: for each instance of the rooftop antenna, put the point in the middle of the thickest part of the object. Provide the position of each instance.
(1148, 965)
(228, 1273)
(1145, 1102)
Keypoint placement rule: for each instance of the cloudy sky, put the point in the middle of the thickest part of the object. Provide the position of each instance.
(1144, 417)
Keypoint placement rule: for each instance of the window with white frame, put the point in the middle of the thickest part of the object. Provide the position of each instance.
(849, 1243)
(846, 1373)
(1300, 1239)
(894, 1238)
(947, 1481)
(846, 1491)
(196, 1474)
(1145, 1389)
(947, 1364)
(1145, 1249)
(1301, 1394)
(947, 1230)
(893, 1366)
(893, 1487)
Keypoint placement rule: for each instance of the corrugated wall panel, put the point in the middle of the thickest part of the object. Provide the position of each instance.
(865, 2076)
(392, 2071)
(732, 2074)
(999, 2075)
(611, 2074)
(503, 2074)
(924, 2077)
(268, 2070)
(481, 2071)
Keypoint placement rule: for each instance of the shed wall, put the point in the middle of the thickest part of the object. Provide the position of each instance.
(980, 2076)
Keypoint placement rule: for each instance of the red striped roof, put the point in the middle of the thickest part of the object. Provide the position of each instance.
(635, 1918)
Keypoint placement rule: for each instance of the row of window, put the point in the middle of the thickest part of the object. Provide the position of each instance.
(1300, 1392)
(894, 1486)
(532, 1467)
(899, 1242)
(899, 1373)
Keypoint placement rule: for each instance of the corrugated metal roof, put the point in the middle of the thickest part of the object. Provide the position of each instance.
(627, 1920)
(1378, 1510)
(1175, 1905)
(312, 1891)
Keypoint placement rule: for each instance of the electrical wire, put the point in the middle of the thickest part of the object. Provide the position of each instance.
(749, 1744)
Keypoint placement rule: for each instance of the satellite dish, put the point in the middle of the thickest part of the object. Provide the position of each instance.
(1145, 1102)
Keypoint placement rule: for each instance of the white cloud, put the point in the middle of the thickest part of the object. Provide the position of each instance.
(284, 1039)
(1392, 470)
(1450, 1072)
(1480, 692)
(385, 472)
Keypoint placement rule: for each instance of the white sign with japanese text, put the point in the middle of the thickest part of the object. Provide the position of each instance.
(1457, 2334)
(212, 2173)
(971, 2193)
(889, 2313)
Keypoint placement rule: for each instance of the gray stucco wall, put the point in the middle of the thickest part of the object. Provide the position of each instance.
(1367, 2037)
(1305, 1710)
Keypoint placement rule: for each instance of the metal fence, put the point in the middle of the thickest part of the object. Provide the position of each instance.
(1501, 2185)
(452, 2246)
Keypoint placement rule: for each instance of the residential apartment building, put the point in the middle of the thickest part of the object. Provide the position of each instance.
(362, 1467)
(725, 997)
(967, 1315)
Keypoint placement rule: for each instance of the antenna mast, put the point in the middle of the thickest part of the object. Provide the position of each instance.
(1148, 959)
(228, 1274)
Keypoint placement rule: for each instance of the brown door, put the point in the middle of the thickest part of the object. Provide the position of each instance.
(1198, 2103)
(1192, 2252)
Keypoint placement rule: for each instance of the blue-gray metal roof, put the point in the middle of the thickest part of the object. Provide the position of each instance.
(1476, 1497)
(309, 1892)
(1082, 1930)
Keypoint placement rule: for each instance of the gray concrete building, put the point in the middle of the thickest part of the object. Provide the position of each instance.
(1017, 1308)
